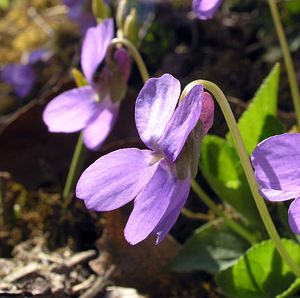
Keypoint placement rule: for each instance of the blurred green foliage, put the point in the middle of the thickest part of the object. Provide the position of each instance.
(4, 4)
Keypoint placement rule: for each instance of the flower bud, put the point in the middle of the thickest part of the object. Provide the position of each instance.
(130, 27)
(100, 10)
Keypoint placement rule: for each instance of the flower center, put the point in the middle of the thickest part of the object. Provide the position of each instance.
(156, 156)
(96, 98)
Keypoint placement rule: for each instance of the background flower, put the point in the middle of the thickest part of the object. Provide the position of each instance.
(205, 9)
(94, 108)
(80, 12)
(22, 76)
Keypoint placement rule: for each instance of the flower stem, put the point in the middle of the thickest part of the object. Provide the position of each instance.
(287, 59)
(133, 52)
(213, 206)
(75, 168)
(238, 142)
(195, 215)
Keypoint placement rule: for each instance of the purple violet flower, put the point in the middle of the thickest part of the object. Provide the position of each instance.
(158, 178)
(276, 161)
(20, 76)
(205, 9)
(94, 108)
(79, 13)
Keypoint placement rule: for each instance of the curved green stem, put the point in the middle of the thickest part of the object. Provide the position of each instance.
(239, 229)
(133, 52)
(238, 142)
(287, 59)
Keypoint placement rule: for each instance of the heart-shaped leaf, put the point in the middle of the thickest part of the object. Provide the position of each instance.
(212, 247)
(261, 273)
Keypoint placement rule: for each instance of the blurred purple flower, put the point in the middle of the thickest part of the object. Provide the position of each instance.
(94, 108)
(21, 77)
(205, 9)
(80, 13)
(150, 176)
(276, 161)
(37, 55)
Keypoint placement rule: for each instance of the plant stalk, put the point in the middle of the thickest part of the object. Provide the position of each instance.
(75, 168)
(239, 229)
(287, 59)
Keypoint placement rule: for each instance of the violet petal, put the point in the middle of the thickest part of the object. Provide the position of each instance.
(294, 216)
(276, 161)
(71, 110)
(182, 123)
(21, 77)
(95, 46)
(73, 2)
(178, 200)
(115, 179)
(205, 9)
(96, 131)
(154, 107)
(38, 55)
(151, 204)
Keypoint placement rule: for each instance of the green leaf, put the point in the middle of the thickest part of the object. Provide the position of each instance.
(259, 121)
(4, 4)
(293, 6)
(212, 247)
(222, 169)
(261, 273)
(294, 287)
